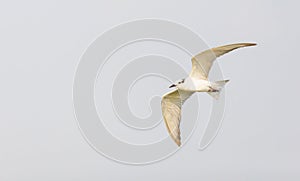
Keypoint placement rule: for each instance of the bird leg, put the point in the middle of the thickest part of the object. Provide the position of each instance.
(212, 89)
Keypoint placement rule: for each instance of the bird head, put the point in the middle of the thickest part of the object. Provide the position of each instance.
(177, 83)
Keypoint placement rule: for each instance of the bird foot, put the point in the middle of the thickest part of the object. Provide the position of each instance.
(212, 90)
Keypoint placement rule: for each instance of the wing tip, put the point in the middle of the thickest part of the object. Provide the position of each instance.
(243, 44)
(251, 44)
(178, 142)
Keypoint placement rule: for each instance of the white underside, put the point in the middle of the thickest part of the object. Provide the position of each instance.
(196, 85)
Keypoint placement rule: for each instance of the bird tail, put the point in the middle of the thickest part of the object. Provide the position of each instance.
(217, 87)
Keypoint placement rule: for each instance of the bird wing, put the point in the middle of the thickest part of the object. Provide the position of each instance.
(201, 63)
(171, 109)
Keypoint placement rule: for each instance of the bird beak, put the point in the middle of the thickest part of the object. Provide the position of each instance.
(173, 85)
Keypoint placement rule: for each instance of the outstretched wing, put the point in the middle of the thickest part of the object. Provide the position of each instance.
(201, 63)
(171, 109)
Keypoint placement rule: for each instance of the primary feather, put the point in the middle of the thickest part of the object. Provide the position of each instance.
(201, 64)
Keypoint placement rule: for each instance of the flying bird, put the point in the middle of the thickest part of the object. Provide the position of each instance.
(197, 81)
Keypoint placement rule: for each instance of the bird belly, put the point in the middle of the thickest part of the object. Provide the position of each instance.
(202, 86)
(196, 85)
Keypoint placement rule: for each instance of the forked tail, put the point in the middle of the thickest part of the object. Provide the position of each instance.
(217, 88)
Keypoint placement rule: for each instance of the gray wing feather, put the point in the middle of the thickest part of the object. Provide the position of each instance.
(171, 109)
(202, 63)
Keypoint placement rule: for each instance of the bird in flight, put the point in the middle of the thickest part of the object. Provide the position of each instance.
(197, 81)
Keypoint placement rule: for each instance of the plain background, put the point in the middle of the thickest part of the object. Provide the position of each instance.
(41, 43)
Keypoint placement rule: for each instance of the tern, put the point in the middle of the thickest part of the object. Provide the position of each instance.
(197, 81)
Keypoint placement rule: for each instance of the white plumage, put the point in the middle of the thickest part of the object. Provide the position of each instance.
(197, 81)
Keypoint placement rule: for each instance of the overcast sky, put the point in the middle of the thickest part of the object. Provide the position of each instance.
(41, 43)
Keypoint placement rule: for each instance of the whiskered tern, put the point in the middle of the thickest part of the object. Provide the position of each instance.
(197, 81)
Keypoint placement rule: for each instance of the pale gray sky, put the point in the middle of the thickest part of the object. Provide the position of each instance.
(42, 42)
